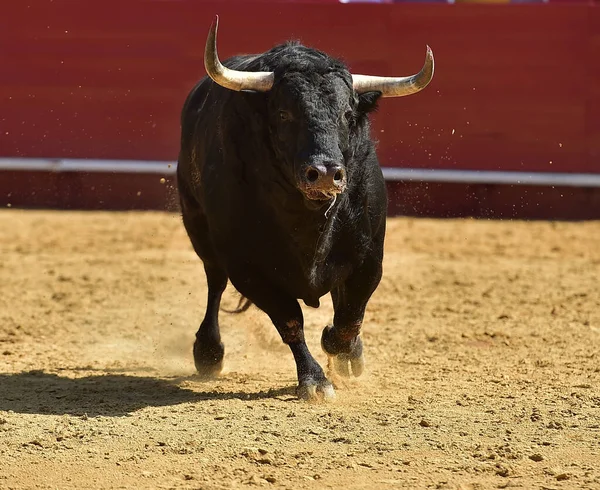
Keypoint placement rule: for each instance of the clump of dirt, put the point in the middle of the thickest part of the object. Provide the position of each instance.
(481, 347)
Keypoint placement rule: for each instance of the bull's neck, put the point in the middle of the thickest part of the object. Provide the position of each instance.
(310, 233)
(297, 216)
(306, 226)
(309, 228)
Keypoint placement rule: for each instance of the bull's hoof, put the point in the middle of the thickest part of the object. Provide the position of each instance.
(347, 357)
(208, 358)
(344, 363)
(316, 391)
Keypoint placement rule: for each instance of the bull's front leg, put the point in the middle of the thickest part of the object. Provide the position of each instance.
(286, 315)
(341, 341)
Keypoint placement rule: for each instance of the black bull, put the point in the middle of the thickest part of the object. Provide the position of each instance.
(281, 193)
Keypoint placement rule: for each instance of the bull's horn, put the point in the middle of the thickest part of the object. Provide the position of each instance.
(260, 81)
(396, 87)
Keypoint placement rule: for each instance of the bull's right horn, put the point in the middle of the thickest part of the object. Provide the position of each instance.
(261, 81)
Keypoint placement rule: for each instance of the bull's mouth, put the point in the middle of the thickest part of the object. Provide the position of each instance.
(319, 196)
(316, 200)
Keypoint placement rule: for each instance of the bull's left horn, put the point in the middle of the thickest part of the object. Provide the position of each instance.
(396, 86)
(260, 81)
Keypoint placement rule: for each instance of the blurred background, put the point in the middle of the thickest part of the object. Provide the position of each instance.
(91, 92)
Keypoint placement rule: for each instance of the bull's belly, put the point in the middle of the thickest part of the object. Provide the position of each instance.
(306, 284)
(258, 250)
(320, 281)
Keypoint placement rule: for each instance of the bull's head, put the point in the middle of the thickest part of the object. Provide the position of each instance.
(313, 115)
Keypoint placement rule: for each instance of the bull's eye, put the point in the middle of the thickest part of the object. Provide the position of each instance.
(348, 115)
(285, 116)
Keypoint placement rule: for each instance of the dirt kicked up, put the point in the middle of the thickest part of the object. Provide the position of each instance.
(482, 347)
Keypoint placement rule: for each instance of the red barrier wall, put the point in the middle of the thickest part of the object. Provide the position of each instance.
(519, 85)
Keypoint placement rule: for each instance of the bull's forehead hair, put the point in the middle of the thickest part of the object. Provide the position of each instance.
(316, 96)
(294, 57)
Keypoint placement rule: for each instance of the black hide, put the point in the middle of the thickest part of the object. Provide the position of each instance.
(255, 217)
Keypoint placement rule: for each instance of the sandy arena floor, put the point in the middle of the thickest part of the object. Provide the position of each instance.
(482, 348)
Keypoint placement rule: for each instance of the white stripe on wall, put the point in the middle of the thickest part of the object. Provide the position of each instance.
(85, 165)
(390, 173)
(493, 177)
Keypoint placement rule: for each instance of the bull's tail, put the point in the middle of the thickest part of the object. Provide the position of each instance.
(242, 306)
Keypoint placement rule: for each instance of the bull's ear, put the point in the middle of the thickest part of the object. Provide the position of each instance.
(367, 102)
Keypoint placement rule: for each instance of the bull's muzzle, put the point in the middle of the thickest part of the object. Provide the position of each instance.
(323, 181)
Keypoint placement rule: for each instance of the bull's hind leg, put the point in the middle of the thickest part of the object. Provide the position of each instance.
(342, 341)
(286, 314)
(208, 348)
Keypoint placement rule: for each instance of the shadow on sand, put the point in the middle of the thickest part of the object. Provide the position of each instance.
(111, 395)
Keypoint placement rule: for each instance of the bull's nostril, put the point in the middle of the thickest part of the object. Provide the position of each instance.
(339, 175)
(312, 174)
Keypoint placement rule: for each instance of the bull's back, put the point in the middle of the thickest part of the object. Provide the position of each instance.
(204, 107)
(206, 93)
